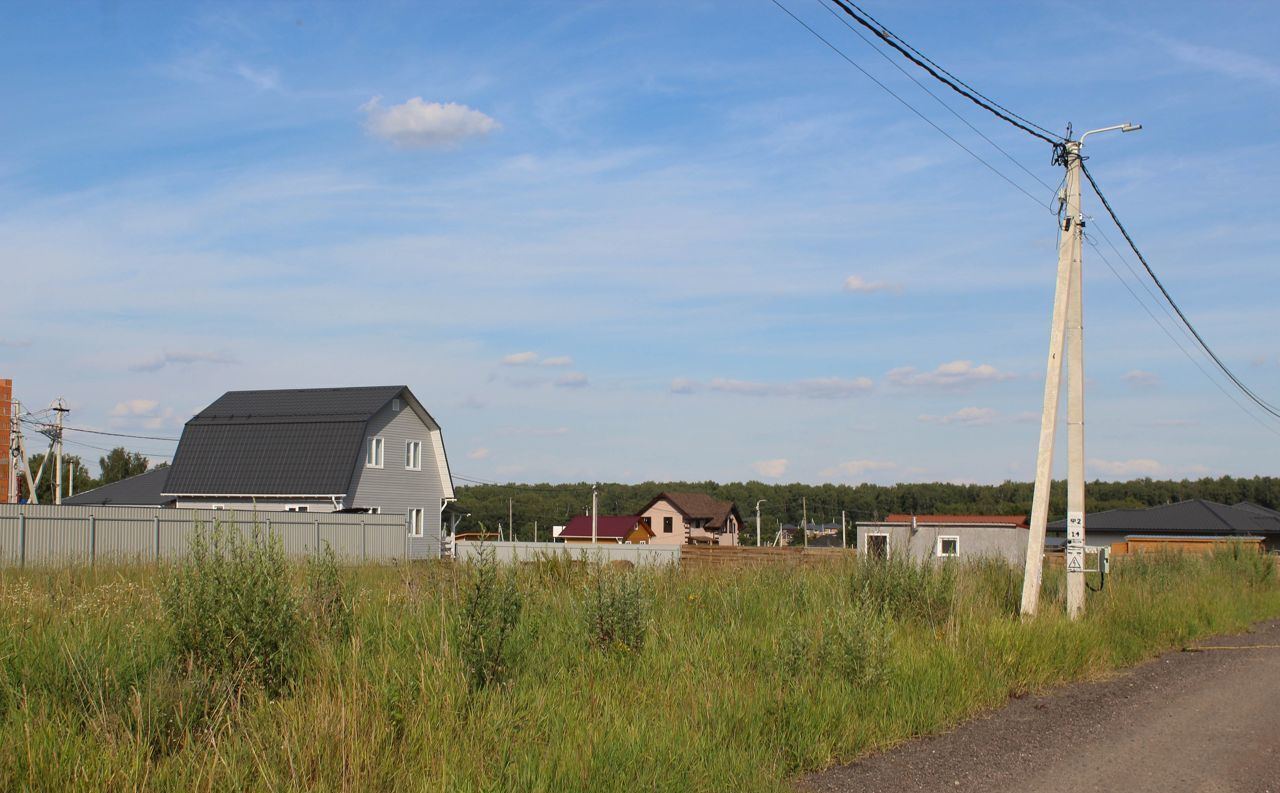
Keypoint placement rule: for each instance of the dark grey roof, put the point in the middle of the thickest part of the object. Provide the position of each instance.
(290, 442)
(1257, 509)
(1195, 516)
(143, 490)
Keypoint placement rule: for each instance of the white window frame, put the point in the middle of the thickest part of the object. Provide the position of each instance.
(416, 520)
(217, 506)
(871, 534)
(395, 405)
(296, 508)
(375, 452)
(413, 462)
(938, 546)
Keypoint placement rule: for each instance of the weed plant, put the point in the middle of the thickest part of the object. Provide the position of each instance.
(615, 609)
(484, 625)
(329, 597)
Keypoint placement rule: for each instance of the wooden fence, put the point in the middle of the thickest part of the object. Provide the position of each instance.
(702, 557)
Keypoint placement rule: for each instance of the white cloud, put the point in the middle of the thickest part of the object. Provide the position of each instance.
(473, 402)
(1237, 65)
(1139, 378)
(262, 79)
(949, 375)
(135, 407)
(856, 469)
(479, 454)
(1142, 466)
(146, 413)
(683, 385)
(860, 285)
(770, 469)
(169, 357)
(417, 124)
(558, 360)
(969, 416)
(519, 358)
(572, 380)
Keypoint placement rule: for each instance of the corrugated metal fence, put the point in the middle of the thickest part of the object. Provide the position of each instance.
(61, 535)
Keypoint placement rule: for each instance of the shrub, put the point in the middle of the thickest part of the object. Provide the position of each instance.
(853, 646)
(615, 610)
(483, 628)
(329, 600)
(231, 610)
(903, 589)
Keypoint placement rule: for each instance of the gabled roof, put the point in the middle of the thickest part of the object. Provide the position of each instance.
(608, 527)
(286, 442)
(1195, 516)
(1016, 521)
(142, 490)
(699, 506)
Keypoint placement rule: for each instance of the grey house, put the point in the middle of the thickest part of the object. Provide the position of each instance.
(923, 537)
(367, 449)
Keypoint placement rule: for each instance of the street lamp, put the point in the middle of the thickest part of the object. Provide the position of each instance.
(758, 503)
(1125, 127)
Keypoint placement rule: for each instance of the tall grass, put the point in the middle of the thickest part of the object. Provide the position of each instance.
(743, 678)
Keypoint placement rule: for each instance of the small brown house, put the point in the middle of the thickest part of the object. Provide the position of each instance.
(694, 518)
(617, 529)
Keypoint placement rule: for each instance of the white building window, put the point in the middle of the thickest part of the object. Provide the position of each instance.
(395, 405)
(948, 546)
(413, 455)
(373, 458)
(416, 516)
(296, 507)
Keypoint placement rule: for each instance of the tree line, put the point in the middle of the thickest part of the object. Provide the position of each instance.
(552, 505)
(119, 463)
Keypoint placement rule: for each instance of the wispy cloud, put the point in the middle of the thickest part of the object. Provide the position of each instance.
(572, 380)
(770, 469)
(146, 413)
(813, 388)
(1229, 63)
(1142, 466)
(1138, 378)
(172, 357)
(478, 454)
(954, 374)
(970, 416)
(416, 124)
(557, 360)
(857, 469)
(519, 358)
(860, 285)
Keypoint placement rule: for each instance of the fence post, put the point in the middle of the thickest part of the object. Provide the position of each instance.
(364, 542)
(157, 521)
(317, 536)
(22, 539)
(93, 540)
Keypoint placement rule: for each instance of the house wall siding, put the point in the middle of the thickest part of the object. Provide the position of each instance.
(976, 542)
(395, 489)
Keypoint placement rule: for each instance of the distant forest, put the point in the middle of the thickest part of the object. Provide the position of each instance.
(554, 504)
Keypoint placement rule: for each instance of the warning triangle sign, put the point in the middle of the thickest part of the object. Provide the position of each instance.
(1074, 565)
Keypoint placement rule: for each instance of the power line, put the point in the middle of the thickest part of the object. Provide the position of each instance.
(908, 105)
(1262, 403)
(122, 434)
(951, 81)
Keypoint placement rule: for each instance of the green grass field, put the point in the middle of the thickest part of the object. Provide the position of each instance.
(649, 680)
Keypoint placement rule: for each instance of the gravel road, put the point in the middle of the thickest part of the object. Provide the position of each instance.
(1206, 720)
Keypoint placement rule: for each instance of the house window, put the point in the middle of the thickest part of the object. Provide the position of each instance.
(948, 546)
(373, 458)
(415, 522)
(413, 455)
(668, 525)
(877, 546)
(296, 507)
(395, 405)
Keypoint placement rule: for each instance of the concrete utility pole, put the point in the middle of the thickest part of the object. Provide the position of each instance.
(595, 514)
(758, 503)
(804, 529)
(844, 530)
(1067, 330)
(511, 524)
(59, 407)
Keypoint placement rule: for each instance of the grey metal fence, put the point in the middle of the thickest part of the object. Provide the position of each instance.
(43, 534)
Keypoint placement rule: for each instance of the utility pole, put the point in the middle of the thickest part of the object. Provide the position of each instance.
(595, 514)
(59, 407)
(510, 523)
(844, 530)
(1067, 330)
(804, 528)
(758, 503)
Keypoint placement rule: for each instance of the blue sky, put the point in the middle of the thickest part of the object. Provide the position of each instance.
(622, 241)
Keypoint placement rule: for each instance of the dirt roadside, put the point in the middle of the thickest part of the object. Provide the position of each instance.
(1186, 721)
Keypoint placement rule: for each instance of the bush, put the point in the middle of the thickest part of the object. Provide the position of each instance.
(329, 600)
(483, 628)
(903, 589)
(615, 610)
(853, 646)
(231, 611)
